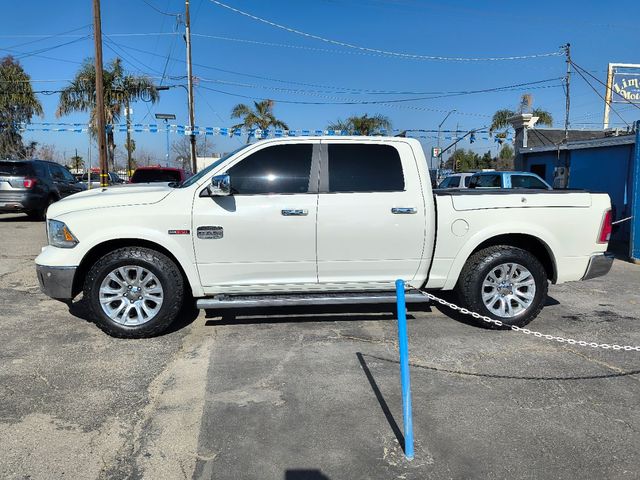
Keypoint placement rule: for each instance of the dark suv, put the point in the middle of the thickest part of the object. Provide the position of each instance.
(30, 186)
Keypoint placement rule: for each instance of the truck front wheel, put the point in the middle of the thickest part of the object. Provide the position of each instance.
(134, 292)
(505, 283)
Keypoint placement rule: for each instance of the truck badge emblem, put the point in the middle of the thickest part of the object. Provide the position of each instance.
(210, 232)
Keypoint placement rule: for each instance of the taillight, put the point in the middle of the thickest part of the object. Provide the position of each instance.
(29, 183)
(605, 229)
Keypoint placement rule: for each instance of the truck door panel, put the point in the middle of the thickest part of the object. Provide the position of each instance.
(265, 232)
(371, 213)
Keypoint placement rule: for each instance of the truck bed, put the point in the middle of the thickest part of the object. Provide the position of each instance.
(502, 191)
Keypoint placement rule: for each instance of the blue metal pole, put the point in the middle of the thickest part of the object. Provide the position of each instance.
(166, 127)
(634, 243)
(405, 381)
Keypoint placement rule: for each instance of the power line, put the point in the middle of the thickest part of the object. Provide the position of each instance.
(143, 34)
(285, 45)
(56, 59)
(117, 34)
(178, 15)
(346, 89)
(382, 52)
(110, 44)
(36, 53)
(46, 36)
(213, 109)
(300, 102)
(514, 87)
(43, 92)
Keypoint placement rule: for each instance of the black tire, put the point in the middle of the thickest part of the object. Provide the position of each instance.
(165, 270)
(470, 283)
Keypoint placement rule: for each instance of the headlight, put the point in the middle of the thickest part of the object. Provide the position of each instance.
(60, 235)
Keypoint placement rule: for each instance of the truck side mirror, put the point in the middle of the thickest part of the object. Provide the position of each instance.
(220, 186)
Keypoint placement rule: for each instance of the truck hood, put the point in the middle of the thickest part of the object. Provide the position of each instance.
(117, 196)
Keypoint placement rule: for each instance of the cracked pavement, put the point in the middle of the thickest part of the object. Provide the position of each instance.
(294, 393)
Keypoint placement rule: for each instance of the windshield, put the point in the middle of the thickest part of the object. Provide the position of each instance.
(159, 175)
(196, 178)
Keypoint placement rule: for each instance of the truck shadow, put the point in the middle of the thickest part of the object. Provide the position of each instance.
(16, 218)
(449, 371)
(332, 313)
(186, 317)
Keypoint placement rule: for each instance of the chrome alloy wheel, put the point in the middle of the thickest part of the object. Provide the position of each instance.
(131, 295)
(508, 290)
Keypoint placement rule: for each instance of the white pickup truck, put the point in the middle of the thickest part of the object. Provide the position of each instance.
(316, 220)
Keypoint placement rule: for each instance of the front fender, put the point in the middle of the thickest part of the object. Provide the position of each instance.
(93, 229)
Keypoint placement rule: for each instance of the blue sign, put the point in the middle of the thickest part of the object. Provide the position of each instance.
(625, 86)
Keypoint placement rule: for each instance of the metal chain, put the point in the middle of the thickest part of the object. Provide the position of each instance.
(569, 341)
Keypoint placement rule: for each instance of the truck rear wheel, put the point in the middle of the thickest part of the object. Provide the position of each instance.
(134, 292)
(505, 283)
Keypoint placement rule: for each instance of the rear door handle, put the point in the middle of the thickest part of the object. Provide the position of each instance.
(295, 213)
(403, 210)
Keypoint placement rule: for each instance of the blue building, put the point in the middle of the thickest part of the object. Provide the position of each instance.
(599, 161)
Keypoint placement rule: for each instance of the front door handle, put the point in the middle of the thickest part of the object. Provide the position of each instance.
(403, 210)
(295, 213)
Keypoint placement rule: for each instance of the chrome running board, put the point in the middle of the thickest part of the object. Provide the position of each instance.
(281, 300)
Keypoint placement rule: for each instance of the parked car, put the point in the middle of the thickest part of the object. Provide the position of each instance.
(158, 174)
(30, 186)
(113, 179)
(316, 220)
(508, 180)
(457, 180)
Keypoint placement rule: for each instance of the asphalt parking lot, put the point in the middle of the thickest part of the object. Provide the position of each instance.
(292, 394)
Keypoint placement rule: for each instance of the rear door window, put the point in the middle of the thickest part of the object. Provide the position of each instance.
(527, 181)
(16, 169)
(57, 172)
(485, 181)
(67, 175)
(40, 169)
(467, 180)
(280, 169)
(364, 168)
(449, 182)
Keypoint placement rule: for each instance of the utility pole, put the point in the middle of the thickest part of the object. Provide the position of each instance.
(192, 135)
(128, 117)
(567, 52)
(455, 148)
(439, 157)
(102, 146)
(608, 96)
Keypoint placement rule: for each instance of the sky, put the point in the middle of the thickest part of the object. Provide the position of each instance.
(238, 59)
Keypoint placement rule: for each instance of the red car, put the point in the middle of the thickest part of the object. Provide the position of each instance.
(158, 174)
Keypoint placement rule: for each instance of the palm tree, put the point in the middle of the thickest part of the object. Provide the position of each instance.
(361, 125)
(120, 89)
(261, 117)
(76, 163)
(18, 104)
(499, 120)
